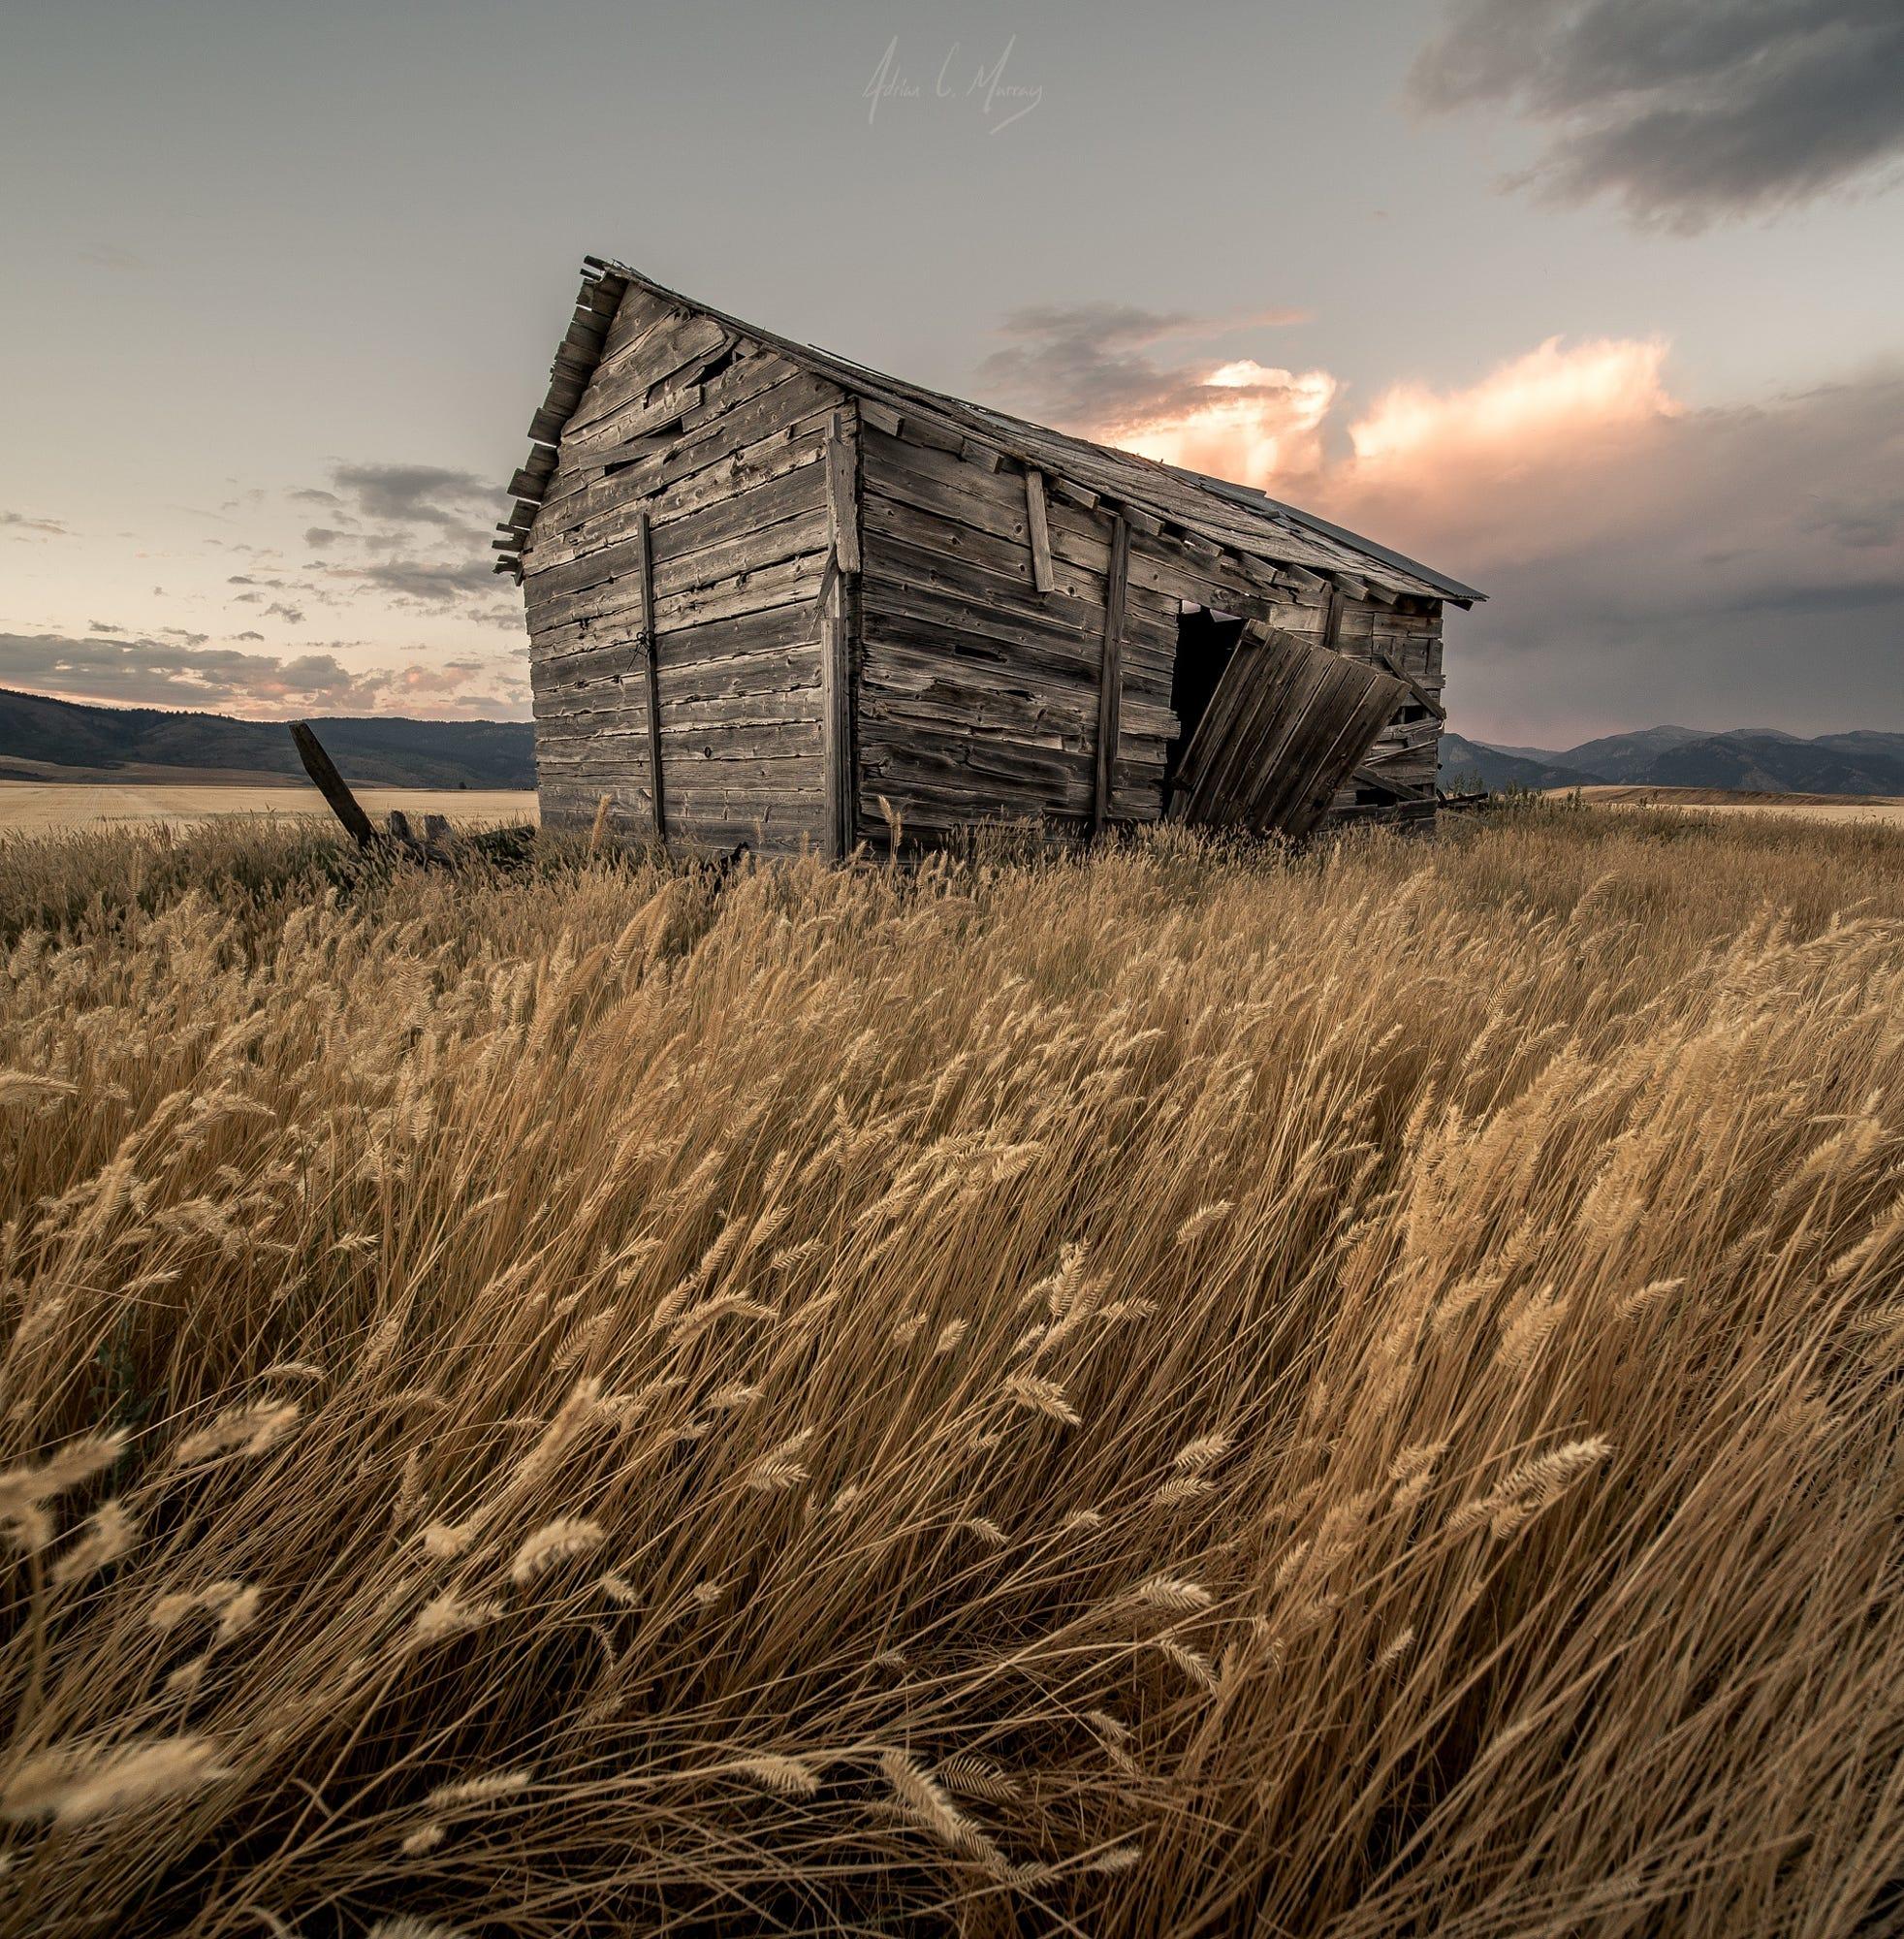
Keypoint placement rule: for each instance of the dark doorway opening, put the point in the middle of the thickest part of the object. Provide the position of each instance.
(1205, 640)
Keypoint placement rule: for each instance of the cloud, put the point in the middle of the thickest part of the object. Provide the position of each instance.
(292, 615)
(19, 524)
(139, 671)
(416, 535)
(1092, 362)
(112, 256)
(1684, 111)
(1646, 560)
(414, 493)
(428, 584)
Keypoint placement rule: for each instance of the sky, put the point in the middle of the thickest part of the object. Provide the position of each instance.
(1595, 304)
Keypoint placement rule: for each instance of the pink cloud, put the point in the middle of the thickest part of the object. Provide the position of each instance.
(1645, 559)
(1247, 421)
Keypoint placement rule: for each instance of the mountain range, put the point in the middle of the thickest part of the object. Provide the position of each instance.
(42, 739)
(40, 736)
(1762, 759)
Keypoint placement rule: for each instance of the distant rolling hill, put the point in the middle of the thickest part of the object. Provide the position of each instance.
(1502, 768)
(141, 741)
(1764, 759)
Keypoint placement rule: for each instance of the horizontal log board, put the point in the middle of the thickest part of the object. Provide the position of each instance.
(1023, 778)
(570, 647)
(682, 778)
(759, 588)
(624, 390)
(794, 446)
(741, 381)
(946, 485)
(684, 741)
(763, 413)
(888, 518)
(942, 484)
(737, 636)
(770, 827)
(936, 806)
(912, 562)
(707, 689)
(638, 312)
(678, 535)
(905, 681)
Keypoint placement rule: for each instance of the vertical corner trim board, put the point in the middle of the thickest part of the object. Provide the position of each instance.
(841, 491)
(652, 655)
(1110, 677)
(840, 605)
(1043, 580)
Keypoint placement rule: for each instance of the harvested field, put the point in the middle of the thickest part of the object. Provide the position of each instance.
(1826, 808)
(42, 808)
(1177, 1392)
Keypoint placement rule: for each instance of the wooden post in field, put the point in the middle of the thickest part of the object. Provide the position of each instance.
(330, 785)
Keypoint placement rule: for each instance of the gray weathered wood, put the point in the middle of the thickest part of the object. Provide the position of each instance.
(1041, 530)
(651, 653)
(839, 626)
(1110, 677)
(842, 493)
(332, 786)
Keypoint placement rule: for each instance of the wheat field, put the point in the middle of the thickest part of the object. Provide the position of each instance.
(1181, 1392)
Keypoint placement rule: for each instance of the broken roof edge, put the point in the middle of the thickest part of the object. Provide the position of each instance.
(1268, 539)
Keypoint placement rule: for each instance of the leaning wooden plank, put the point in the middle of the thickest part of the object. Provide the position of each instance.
(1284, 682)
(1357, 699)
(1422, 697)
(1110, 678)
(332, 786)
(1041, 530)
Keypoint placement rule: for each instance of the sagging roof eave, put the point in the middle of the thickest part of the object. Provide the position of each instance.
(580, 350)
(1454, 592)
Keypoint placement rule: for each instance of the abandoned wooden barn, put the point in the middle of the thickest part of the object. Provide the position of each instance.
(774, 598)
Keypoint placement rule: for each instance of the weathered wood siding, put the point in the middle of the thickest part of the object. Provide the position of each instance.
(722, 445)
(1407, 638)
(980, 693)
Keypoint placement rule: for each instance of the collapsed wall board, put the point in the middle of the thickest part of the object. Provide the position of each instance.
(689, 505)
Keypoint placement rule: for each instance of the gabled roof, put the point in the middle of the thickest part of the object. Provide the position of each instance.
(1237, 518)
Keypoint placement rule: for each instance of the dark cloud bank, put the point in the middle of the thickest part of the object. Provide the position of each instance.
(1685, 112)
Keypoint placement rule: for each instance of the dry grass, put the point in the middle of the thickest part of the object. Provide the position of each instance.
(1169, 1394)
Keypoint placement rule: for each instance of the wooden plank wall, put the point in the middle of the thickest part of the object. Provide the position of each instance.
(720, 445)
(980, 693)
(1405, 637)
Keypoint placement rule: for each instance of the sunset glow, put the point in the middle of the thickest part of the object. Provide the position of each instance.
(1263, 421)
